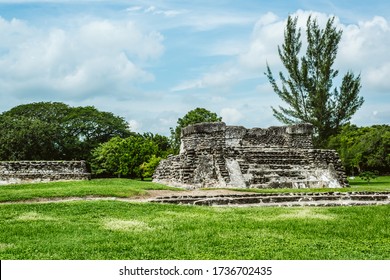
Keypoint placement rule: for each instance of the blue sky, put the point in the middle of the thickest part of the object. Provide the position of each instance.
(153, 61)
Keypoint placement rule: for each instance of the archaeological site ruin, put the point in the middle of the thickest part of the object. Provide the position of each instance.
(12, 172)
(214, 155)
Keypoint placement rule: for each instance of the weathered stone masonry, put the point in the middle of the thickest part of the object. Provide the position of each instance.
(12, 172)
(216, 155)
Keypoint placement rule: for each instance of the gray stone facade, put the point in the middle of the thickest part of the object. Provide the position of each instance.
(219, 156)
(12, 172)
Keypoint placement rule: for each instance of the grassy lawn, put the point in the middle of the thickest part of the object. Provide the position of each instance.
(96, 187)
(382, 183)
(121, 230)
(129, 188)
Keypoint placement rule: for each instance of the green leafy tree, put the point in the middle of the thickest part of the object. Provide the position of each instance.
(363, 148)
(56, 131)
(25, 138)
(308, 90)
(197, 115)
(122, 157)
(147, 168)
(163, 143)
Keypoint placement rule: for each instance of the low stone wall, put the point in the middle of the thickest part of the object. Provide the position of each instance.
(13, 172)
(282, 199)
(216, 155)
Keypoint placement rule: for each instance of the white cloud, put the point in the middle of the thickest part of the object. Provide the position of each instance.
(363, 49)
(95, 56)
(134, 125)
(156, 11)
(378, 77)
(211, 79)
(150, 9)
(231, 115)
(134, 9)
(267, 35)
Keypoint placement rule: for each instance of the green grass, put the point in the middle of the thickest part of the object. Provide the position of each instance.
(380, 184)
(119, 230)
(129, 188)
(97, 187)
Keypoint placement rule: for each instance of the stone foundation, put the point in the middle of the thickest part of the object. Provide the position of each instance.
(13, 172)
(283, 199)
(219, 156)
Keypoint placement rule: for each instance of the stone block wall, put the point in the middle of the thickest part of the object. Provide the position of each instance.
(216, 155)
(12, 172)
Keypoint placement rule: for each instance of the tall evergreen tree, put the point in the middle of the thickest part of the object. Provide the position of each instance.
(308, 90)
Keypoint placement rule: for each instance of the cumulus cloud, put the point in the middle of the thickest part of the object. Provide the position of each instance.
(267, 34)
(93, 56)
(363, 50)
(364, 46)
(231, 115)
(134, 125)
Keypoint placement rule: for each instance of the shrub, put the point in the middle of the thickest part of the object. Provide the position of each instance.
(147, 168)
(122, 157)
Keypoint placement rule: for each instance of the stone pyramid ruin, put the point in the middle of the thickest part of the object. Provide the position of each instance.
(214, 155)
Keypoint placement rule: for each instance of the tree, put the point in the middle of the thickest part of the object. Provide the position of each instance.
(56, 131)
(148, 168)
(363, 148)
(122, 157)
(308, 90)
(25, 138)
(163, 143)
(197, 115)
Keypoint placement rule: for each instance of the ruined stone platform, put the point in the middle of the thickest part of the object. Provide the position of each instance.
(16, 172)
(282, 200)
(214, 155)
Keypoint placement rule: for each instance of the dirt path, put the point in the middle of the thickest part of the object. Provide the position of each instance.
(225, 197)
(150, 195)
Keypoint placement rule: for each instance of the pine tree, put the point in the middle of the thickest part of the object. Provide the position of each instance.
(308, 90)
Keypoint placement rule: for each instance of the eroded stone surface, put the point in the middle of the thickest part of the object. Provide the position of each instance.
(283, 199)
(12, 172)
(216, 155)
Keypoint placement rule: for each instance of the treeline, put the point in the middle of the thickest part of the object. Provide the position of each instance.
(56, 131)
(363, 148)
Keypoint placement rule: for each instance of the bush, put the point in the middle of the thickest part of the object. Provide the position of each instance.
(147, 168)
(122, 157)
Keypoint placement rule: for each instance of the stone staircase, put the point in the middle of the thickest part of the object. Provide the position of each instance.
(284, 199)
(280, 167)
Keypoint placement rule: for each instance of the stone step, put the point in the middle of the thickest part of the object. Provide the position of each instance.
(275, 173)
(291, 199)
